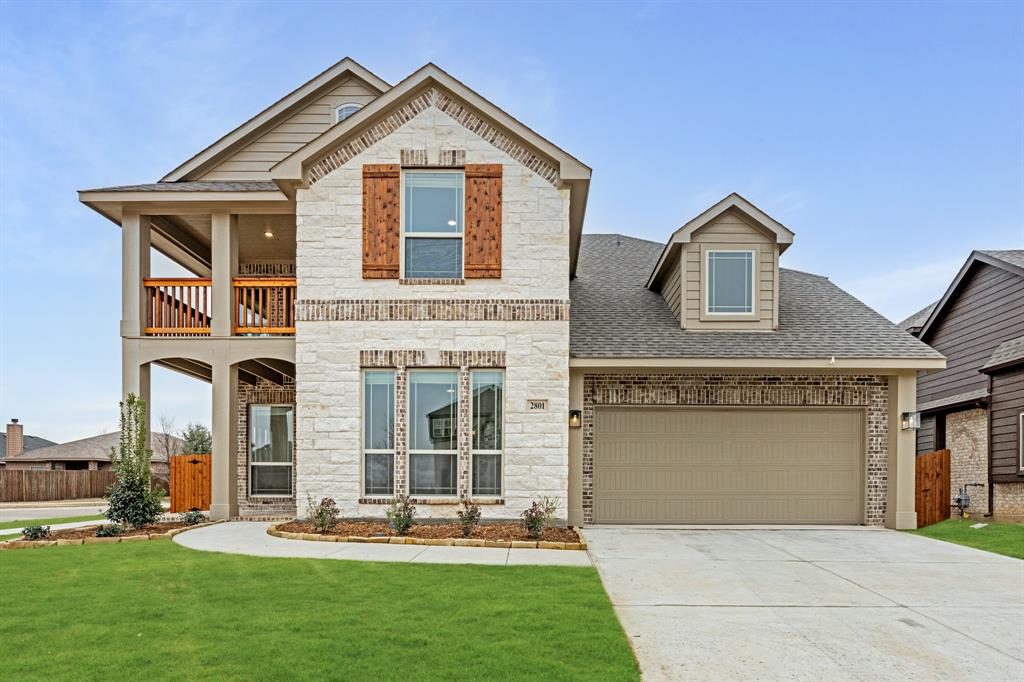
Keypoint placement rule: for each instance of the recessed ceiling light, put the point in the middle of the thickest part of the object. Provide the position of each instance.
(452, 223)
(268, 233)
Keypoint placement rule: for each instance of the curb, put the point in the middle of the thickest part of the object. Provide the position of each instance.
(34, 544)
(433, 542)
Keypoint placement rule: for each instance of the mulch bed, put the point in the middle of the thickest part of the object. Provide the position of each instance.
(90, 531)
(500, 532)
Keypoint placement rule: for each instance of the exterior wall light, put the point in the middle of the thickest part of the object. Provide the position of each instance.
(575, 419)
(910, 421)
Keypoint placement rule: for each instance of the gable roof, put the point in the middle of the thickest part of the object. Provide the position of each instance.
(1006, 354)
(1011, 261)
(614, 315)
(30, 443)
(292, 172)
(94, 448)
(323, 81)
(913, 323)
(783, 235)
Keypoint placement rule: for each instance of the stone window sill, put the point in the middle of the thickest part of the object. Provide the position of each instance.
(428, 501)
(434, 282)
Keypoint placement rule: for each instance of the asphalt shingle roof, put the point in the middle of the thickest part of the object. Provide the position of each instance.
(614, 315)
(918, 319)
(31, 443)
(967, 397)
(192, 187)
(1006, 353)
(1011, 256)
(93, 448)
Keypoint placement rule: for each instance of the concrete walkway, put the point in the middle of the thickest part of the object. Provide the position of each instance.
(249, 537)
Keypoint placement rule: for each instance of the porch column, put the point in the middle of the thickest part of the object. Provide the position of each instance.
(135, 240)
(135, 379)
(224, 496)
(225, 266)
(900, 508)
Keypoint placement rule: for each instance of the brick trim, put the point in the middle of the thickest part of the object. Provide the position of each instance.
(430, 501)
(425, 358)
(450, 310)
(451, 106)
(420, 158)
(750, 390)
(441, 282)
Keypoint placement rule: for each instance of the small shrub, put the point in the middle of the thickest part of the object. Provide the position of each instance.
(36, 532)
(323, 515)
(110, 530)
(469, 517)
(401, 513)
(132, 505)
(191, 518)
(535, 519)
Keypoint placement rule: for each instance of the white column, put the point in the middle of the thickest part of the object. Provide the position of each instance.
(225, 265)
(135, 240)
(900, 499)
(224, 496)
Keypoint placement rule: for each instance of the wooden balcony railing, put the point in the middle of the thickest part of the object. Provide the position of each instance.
(177, 307)
(265, 306)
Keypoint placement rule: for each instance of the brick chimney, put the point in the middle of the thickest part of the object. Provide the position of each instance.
(15, 438)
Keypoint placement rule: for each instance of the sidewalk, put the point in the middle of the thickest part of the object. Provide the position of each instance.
(249, 537)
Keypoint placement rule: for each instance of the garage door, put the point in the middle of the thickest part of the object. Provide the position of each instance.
(677, 465)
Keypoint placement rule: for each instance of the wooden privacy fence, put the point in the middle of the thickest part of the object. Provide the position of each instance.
(190, 482)
(37, 486)
(931, 498)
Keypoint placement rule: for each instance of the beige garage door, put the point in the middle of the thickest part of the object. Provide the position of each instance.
(677, 465)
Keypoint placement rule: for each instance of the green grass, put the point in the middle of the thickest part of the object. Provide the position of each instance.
(156, 610)
(4, 525)
(1001, 538)
(10, 536)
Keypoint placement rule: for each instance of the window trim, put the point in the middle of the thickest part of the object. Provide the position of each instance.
(364, 451)
(473, 451)
(1020, 440)
(248, 447)
(409, 451)
(706, 284)
(403, 235)
(337, 110)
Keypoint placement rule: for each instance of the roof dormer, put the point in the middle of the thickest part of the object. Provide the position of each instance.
(720, 271)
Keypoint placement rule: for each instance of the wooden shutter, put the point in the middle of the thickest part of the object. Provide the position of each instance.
(381, 221)
(483, 221)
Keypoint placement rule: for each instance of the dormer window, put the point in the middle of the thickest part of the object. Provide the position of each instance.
(730, 282)
(346, 110)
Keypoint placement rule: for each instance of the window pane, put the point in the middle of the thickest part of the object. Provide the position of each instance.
(379, 410)
(271, 480)
(270, 433)
(487, 410)
(432, 475)
(729, 282)
(380, 473)
(487, 475)
(433, 258)
(433, 202)
(433, 410)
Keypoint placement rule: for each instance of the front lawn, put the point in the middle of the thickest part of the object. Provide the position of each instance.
(156, 610)
(1001, 538)
(4, 525)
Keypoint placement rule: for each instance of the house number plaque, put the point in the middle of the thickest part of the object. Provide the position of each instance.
(533, 405)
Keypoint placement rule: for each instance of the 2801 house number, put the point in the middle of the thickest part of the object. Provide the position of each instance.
(533, 405)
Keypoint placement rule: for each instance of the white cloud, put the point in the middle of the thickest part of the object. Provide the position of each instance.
(899, 293)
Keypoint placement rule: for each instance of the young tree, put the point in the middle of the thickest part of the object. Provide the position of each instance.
(132, 500)
(197, 440)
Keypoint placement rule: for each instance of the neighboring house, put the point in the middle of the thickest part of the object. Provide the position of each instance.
(975, 407)
(393, 294)
(14, 442)
(86, 453)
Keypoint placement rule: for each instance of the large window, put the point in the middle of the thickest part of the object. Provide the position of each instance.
(730, 282)
(432, 216)
(433, 440)
(487, 425)
(379, 432)
(271, 444)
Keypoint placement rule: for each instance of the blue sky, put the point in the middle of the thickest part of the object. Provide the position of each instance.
(888, 136)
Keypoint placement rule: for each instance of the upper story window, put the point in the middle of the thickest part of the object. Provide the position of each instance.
(432, 224)
(346, 110)
(730, 282)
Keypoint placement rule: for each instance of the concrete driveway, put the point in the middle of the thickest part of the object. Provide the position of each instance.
(816, 604)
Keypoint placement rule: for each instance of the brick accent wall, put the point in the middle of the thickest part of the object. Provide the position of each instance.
(967, 441)
(431, 358)
(264, 393)
(782, 390)
(450, 310)
(1008, 502)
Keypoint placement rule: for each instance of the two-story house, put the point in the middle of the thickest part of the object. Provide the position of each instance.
(975, 406)
(393, 294)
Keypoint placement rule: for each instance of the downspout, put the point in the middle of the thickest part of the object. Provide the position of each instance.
(988, 450)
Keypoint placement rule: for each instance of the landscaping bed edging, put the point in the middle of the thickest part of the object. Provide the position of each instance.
(436, 542)
(32, 544)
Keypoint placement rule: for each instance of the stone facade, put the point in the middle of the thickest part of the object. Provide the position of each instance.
(519, 322)
(1008, 502)
(967, 441)
(264, 393)
(867, 391)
